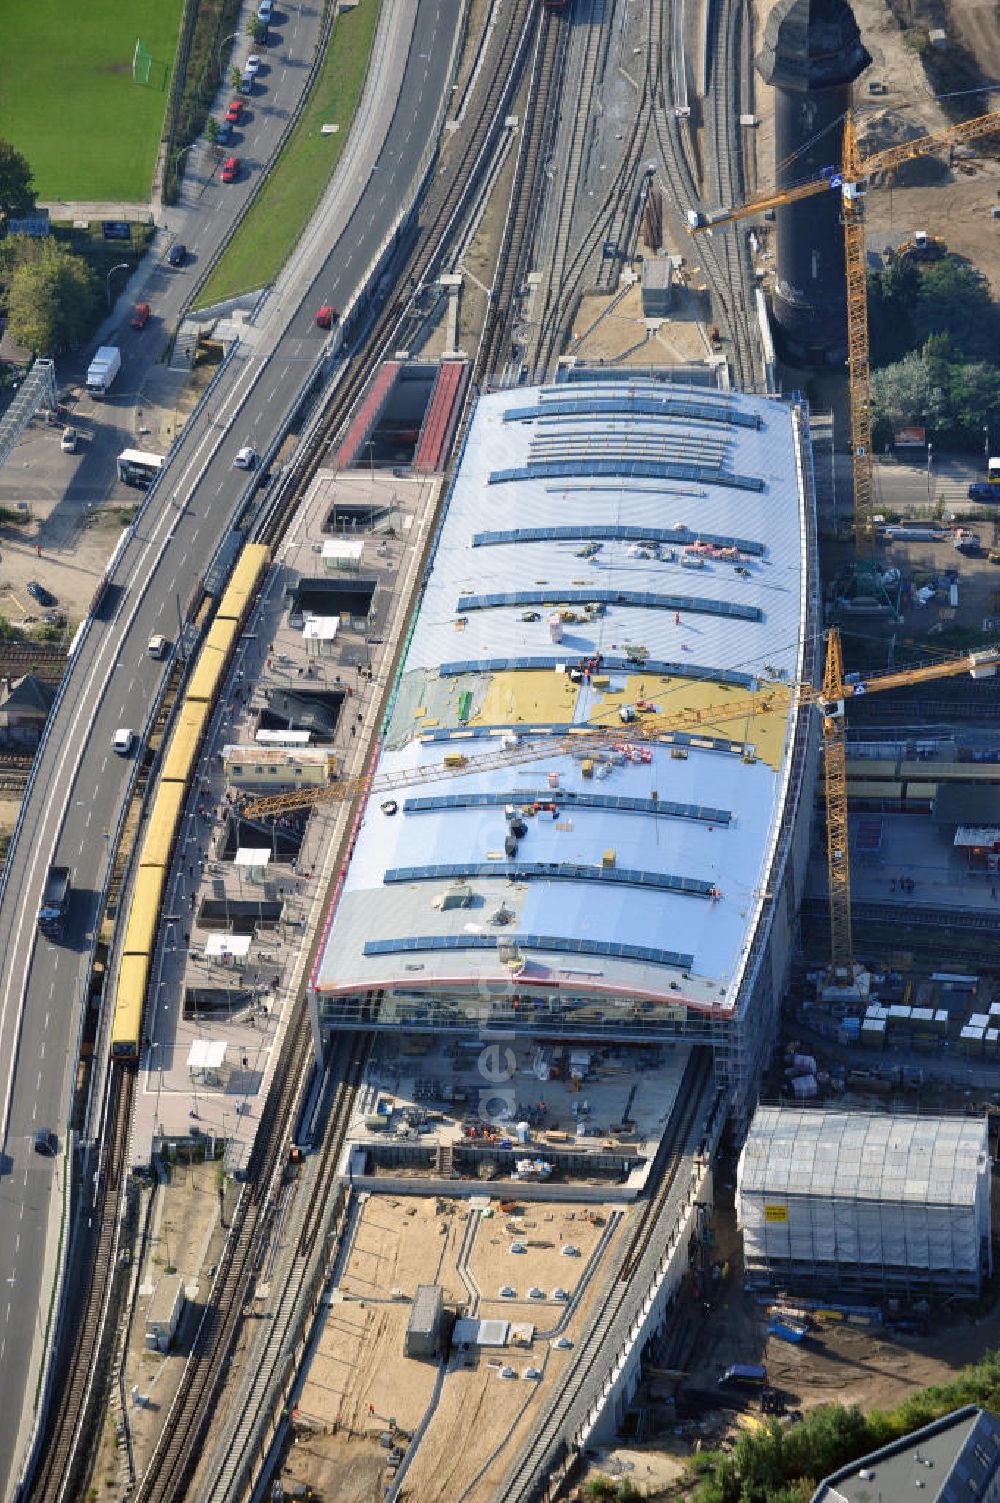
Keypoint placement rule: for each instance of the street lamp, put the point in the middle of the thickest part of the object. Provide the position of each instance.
(122, 266)
(930, 461)
(231, 38)
(183, 152)
(986, 442)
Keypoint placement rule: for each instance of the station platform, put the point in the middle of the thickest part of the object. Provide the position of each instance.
(367, 415)
(245, 898)
(441, 417)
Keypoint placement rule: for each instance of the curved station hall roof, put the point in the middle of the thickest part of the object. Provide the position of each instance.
(604, 545)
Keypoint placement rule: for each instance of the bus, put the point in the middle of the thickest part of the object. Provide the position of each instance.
(993, 471)
(138, 468)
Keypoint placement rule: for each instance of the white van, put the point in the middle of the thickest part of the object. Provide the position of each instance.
(122, 741)
(157, 646)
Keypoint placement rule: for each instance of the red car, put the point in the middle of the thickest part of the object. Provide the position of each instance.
(230, 168)
(234, 111)
(326, 317)
(140, 318)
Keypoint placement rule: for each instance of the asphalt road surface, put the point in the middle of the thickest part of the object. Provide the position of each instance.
(81, 783)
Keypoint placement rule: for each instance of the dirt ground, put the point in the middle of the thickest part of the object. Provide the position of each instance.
(958, 207)
(360, 1384)
(624, 337)
(868, 1365)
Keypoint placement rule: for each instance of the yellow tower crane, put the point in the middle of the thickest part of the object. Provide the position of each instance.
(851, 182)
(837, 688)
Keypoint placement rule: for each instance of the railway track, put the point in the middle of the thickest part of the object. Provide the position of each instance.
(60, 1472)
(69, 1450)
(723, 258)
(44, 659)
(227, 1470)
(527, 1479)
(538, 123)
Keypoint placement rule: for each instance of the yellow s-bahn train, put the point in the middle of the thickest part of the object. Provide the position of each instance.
(179, 764)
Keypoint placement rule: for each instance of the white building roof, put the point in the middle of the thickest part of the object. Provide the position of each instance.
(206, 1054)
(321, 628)
(591, 500)
(860, 1156)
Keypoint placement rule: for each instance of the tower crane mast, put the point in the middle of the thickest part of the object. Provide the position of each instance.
(851, 182)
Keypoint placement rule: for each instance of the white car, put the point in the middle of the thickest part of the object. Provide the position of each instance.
(245, 459)
(252, 65)
(122, 741)
(264, 11)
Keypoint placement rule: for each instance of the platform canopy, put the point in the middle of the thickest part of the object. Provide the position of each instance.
(321, 628)
(206, 1054)
(227, 946)
(343, 553)
(253, 855)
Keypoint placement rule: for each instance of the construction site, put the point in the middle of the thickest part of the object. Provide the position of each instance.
(600, 816)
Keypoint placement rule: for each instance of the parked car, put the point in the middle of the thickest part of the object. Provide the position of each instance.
(230, 169)
(70, 439)
(234, 111)
(41, 594)
(140, 316)
(225, 133)
(177, 254)
(326, 317)
(252, 64)
(265, 10)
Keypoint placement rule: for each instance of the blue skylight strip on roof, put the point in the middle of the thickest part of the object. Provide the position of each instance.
(557, 943)
(608, 664)
(698, 605)
(566, 798)
(642, 469)
(571, 728)
(627, 533)
(666, 407)
(552, 871)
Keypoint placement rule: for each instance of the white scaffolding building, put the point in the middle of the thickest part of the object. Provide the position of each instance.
(861, 1203)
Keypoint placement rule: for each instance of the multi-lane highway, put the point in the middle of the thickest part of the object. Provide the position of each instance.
(81, 784)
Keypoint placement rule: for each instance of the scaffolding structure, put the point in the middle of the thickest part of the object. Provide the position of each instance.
(36, 393)
(865, 1203)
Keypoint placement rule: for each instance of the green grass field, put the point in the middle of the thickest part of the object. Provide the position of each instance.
(295, 185)
(67, 100)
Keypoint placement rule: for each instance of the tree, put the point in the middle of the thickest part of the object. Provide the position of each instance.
(256, 30)
(953, 298)
(905, 393)
(17, 192)
(235, 77)
(53, 298)
(212, 131)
